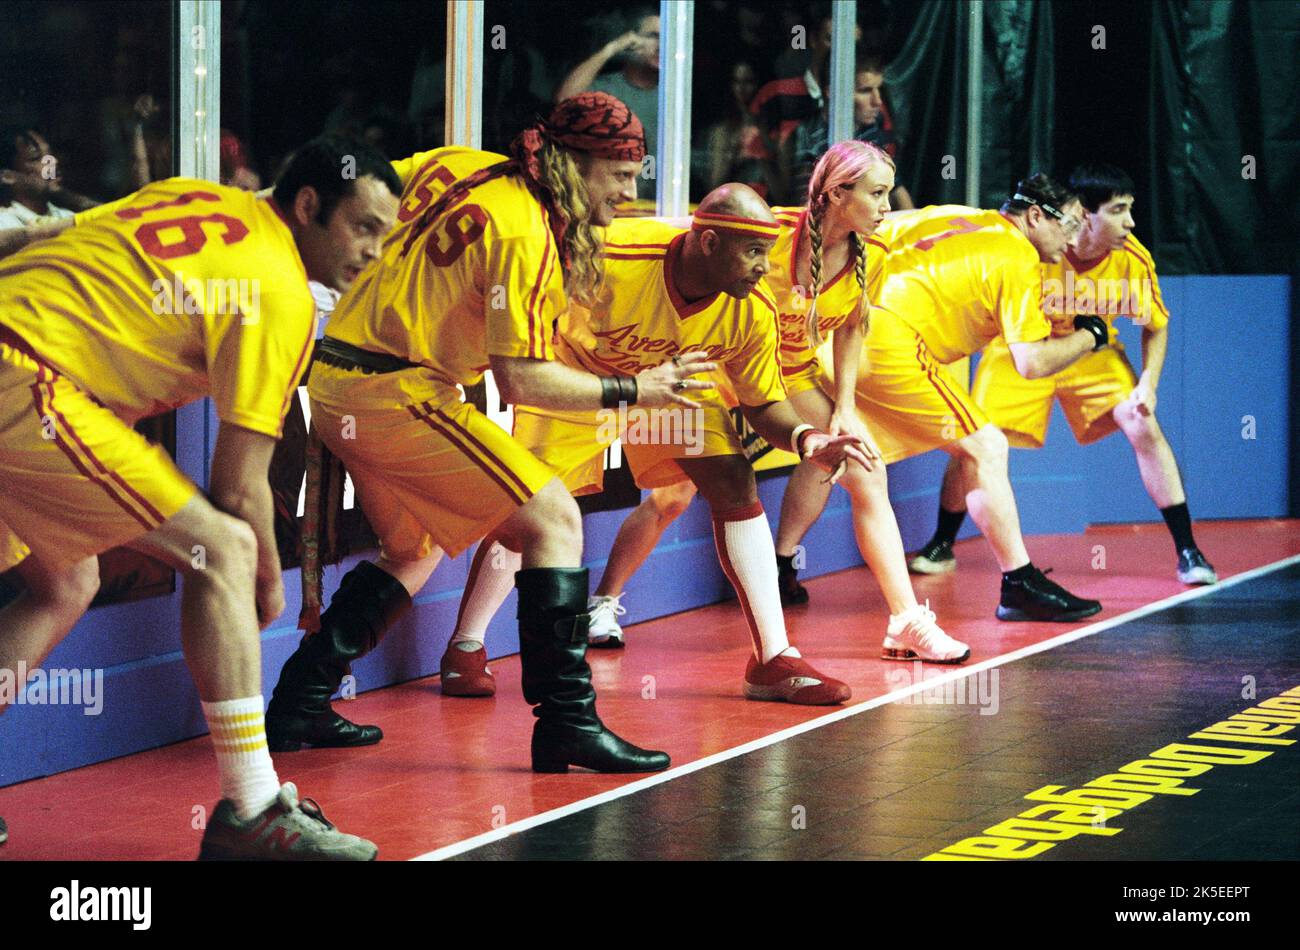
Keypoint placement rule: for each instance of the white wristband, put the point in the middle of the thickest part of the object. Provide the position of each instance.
(799, 430)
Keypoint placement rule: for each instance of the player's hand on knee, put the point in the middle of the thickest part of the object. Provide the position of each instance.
(270, 600)
(850, 423)
(832, 452)
(668, 382)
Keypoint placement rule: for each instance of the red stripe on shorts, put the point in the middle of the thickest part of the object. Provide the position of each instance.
(80, 466)
(436, 427)
(954, 403)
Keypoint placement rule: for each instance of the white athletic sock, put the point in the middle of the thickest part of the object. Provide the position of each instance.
(248, 778)
(748, 558)
(491, 579)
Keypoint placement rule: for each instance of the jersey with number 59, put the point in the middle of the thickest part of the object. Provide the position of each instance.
(483, 279)
(181, 290)
(961, 276)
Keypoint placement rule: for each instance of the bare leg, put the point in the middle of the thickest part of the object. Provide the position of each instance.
(413, 575)
(639, 534)
(983, 459)
(952, 495)
(805, 498)
(34, 622)
(1155, 458)
(219, 630)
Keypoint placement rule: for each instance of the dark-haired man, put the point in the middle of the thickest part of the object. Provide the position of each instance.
(956, 277)
(672, 290)
(30, 186)
(182, 290)
(1108, 273)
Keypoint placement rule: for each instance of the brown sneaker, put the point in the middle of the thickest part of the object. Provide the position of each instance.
(792, 679)
(287, 831)
(465, 672)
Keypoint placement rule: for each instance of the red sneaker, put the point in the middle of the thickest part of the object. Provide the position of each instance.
(792, 679)
(465, 673)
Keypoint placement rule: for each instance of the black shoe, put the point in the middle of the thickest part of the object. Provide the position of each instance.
(556, 678)
(1193, 568)
(935, 558)
(1036, 598)
(787, 582)
(369, 601)
(4, 831)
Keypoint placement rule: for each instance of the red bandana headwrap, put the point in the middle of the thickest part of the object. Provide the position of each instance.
(593, 123)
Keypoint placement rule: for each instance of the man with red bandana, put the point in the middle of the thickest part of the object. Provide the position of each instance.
(485, 256)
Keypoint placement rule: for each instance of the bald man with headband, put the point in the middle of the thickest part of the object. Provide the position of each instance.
(684, 294)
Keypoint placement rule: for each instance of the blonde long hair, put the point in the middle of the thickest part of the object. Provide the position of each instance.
(843, 166)
(583, 242)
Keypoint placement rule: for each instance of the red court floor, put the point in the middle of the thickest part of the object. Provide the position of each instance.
(451, 769)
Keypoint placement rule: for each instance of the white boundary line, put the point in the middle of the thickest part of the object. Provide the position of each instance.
(927, 684)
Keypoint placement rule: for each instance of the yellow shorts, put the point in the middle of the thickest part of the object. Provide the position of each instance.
(1088, 390)
(434, 472)
(574, 443)
(75, 479)
(911, 402)
(804, 376)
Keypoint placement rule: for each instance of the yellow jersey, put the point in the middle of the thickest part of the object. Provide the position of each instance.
(836, 301)
(961, 276)
(639, 319)
(483, 279)
(1120, 283)
(181, 290)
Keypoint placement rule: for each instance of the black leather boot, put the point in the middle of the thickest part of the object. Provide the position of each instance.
(369, 601)
(557, 680)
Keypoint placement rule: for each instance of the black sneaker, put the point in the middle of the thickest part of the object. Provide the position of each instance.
(935, 558)
(4, 831)
(792, 592)
(1193, 568)
(1036, 598)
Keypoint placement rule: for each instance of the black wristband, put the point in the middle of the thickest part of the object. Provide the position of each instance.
(611, 393)
(627, 389)
(1096, 326)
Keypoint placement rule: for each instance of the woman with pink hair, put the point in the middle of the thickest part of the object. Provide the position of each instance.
(826, 269)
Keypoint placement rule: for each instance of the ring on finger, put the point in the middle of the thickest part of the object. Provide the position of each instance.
(679, 385)
(677, 360)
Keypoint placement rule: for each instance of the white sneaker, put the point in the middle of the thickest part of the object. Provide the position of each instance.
(604, 630)
(914, 635)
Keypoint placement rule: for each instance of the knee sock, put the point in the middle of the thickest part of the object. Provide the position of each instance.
(748, 558)
(248, 778)
(949, 524)
(491, 579)
(1179, 521)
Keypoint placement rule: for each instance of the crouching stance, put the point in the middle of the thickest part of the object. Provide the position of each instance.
(474, 275)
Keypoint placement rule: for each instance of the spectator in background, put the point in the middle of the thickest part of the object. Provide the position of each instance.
(636, 84)
(872, 123)
(30, 186)
(735, 147)
(236, 165)
(783, 104)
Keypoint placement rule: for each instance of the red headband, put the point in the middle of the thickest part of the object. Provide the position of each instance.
(598, 124)
(704, 221)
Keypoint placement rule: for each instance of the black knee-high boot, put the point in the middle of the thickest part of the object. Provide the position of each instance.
(369, 601)
(552, 650)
